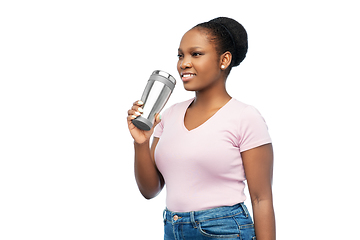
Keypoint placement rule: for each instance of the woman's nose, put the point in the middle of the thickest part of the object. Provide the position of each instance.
(185, 63)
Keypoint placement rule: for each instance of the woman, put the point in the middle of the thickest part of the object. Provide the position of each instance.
(204, 147)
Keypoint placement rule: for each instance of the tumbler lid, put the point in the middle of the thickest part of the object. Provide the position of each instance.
(166, 75)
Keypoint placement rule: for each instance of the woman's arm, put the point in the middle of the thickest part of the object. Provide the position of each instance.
(148, 178)
(258, 165)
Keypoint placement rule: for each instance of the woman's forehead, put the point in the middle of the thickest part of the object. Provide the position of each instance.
(194, 38)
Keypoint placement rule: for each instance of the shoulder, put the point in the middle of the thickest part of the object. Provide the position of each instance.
(239, 105)
(247, 116)
(176, 108)
(243, 110)
(252, 130)
(171, 115)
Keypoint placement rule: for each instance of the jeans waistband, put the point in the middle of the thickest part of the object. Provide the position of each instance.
(204, 215)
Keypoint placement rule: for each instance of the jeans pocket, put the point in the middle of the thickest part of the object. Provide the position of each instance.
(225, 228)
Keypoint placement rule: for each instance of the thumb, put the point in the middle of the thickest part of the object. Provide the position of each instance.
(157, 119)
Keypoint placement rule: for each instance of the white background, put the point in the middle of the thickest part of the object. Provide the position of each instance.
(70, 70)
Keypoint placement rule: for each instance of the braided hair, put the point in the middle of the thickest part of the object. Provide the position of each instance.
(227, 35)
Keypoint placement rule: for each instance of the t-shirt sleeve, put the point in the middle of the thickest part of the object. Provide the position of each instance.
(253, 130)
(160, 127)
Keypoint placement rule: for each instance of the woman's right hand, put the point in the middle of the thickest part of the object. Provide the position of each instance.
(139, 136)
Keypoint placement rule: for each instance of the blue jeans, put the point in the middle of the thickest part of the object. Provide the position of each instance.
(218, 223)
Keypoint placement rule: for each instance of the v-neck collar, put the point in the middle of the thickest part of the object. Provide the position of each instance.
(204, 123)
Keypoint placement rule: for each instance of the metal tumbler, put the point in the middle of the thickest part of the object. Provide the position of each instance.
(157, 92)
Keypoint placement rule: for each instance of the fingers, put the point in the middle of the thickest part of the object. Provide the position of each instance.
(137, 106)
(138, 103)
(132, 114)
(135, 110)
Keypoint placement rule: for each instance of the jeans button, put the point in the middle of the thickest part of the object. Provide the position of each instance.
(176, 217)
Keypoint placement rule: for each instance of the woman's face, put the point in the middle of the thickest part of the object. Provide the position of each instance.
(199, 63)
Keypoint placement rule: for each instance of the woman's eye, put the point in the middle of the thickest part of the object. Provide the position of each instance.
(180, 55)
(196, 54)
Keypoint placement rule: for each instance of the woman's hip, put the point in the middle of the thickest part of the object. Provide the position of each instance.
(229, 222)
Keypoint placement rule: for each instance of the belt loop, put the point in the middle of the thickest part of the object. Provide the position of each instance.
(192, 218)
(164, 216)
(244, 208)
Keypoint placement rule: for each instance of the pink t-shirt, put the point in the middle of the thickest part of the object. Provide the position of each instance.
(203, 168)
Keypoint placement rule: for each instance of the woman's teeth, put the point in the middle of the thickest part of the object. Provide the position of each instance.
(188, 75)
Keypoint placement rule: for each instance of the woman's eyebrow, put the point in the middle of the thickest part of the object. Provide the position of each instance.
(190, 49)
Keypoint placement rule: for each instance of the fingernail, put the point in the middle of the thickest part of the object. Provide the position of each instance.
(133, 116)
(140, 102)
(140, 110)
(160, 116)
(137, 113)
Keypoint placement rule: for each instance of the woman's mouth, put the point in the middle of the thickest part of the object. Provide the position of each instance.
(187, 76)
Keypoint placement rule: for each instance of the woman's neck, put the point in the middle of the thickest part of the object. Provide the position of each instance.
(213, 98)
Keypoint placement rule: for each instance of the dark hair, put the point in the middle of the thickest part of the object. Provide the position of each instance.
(227, 35)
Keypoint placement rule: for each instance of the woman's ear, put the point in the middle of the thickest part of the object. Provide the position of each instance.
(225, 60)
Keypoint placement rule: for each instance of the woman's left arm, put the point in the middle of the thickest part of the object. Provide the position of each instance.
(258, 165)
